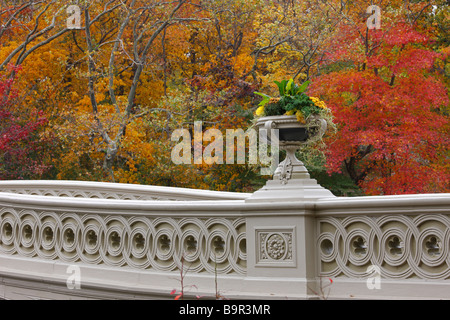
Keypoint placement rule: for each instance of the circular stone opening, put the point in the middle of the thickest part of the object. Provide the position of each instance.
(218, 245)
(48, 235)
(114, 240)
(395, 246)
(326, 246)
(164, 243)
(433, 246)
(69, 237)
(190, 244)
(359, 246)
(7, 231)
(243, 245)
(27, 232)
(91, 239)
(138, 242)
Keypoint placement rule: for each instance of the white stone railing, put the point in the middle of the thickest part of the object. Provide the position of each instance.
(150, 236)
(101, 190)
(402, 240)
(245, 246)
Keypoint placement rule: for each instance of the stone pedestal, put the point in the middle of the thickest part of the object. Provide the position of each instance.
(292, 190)
(291, 182)
(281, 244)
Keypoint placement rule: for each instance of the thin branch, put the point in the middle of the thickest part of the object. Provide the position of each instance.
(140, 67)
(112, 57)
(14, 15)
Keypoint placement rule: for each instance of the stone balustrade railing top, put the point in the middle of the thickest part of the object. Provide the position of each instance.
(131, 241)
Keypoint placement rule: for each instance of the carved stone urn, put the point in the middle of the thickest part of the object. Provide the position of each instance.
(291, 136)
(291, 179)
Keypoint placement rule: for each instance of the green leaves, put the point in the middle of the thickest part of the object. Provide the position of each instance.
(274, 109)
(303, 87)
(281, 87)
(265, 100)
(292, 98)
(299, 102)
(289, 88)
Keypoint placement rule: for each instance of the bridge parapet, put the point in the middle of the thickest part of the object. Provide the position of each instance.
(118, 191)
(370, 247)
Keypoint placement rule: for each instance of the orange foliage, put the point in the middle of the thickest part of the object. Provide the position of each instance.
(204, 65)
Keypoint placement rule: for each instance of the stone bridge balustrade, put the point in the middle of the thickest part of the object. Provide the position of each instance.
(118, 191)
(147, 242)
(133, 242)
(403, 240)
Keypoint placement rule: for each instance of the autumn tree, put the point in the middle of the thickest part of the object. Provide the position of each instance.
(30, 25)
(22, 147)
(213, 57)
(388, 102)
(113, 90)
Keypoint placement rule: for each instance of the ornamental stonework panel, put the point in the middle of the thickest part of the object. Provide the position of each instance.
(401, 246)
(275, 247)
(212, 245)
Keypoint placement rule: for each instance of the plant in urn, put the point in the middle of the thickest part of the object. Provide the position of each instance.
(299, 120)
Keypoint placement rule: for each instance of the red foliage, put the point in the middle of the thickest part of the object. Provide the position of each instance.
(392, 136)
(20, 144)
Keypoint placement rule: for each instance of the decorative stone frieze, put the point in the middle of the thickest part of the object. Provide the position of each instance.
(402, 246)
(277, 243)
(214, 245)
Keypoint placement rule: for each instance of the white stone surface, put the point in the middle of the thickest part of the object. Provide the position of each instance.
(276, 243)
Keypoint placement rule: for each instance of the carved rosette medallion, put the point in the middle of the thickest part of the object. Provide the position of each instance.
(275, 247)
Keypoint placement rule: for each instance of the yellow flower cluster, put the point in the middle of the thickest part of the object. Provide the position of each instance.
(318, 103)
(260, 111)
(300, 117)
(298, 114)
